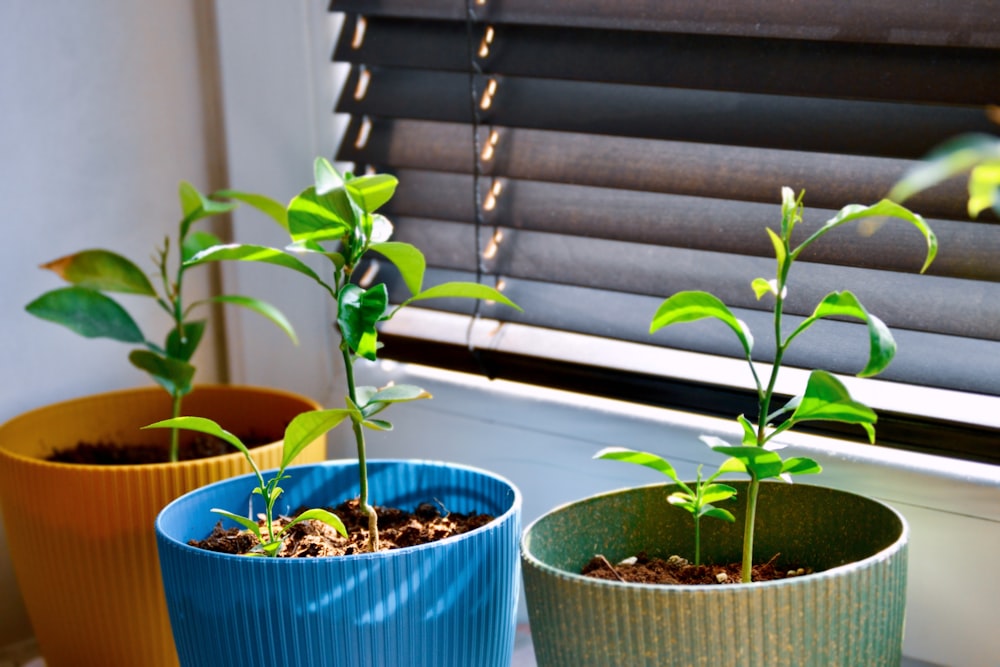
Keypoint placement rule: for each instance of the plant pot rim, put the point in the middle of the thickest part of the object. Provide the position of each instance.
(249, 480)
(734, 588)
(125, 469)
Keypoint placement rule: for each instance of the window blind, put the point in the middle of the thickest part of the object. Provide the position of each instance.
(594, 157)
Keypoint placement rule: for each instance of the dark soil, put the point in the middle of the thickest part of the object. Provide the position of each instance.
(107, 453)
(397, 529)
(677, 570)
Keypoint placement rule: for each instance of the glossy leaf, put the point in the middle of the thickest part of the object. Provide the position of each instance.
(318, 514)
(761, 463)
(202, 425)
(463, 290)
(692, 306)
(717, 513)
(377, 424)
(306, 428)
(102, 270)
(197, 206)
(271, 208)
(798, 465)
(882, 346)
(826, 398)
(886, 209)
(779, 246)
(749, 432)
(197, 241)
(651, 461)
(261, 308)
(372, 191)
(247, 524)
(88, 313)
(325, 176)
(184, 349)
(358, 312)
(407, 259)
(326, 217)
(398, 393)
(253, 253)
(715, 492)
(174, 375)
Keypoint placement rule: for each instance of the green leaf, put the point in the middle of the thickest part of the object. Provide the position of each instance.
(326, 217)
(408, 259)
(262, 308)
(253, 253)
(306, 428)
(102, 270)
(888, 209)
(463, 290)
(317, 514)
(827, 399)
(397, 393)
(202, 425)
(372, 191)
(882, 346)
(88, 313)
(377, 424)
(646, 459)
(761, 463)
(800, 466)
(791, 211)
(780, 251)
(717, 513)
(692, 306)
(358, 311)
(273, 209)
(196, 206)
(312, 247)
(762, 286)
(683, 500)
(326, 176)
(713, 493)
(196, 242)
(951, 158)
(984, 187)
(185, 349)
(749, 432)
(174, 375)
(248, 524)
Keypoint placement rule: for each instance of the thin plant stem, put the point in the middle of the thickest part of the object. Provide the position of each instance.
(748, 529)
(175, 446)
(359, 439)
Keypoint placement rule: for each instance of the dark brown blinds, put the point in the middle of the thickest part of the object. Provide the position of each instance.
(628, 150)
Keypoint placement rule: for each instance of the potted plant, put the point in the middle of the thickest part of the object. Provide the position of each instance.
(447, 602)
(81, 484)
(848, 607)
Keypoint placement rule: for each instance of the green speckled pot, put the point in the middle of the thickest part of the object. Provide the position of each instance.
(850, 613)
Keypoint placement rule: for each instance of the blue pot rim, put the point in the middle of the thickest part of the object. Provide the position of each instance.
(250, 479)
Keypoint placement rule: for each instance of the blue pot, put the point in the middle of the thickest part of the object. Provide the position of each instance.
(451, 602)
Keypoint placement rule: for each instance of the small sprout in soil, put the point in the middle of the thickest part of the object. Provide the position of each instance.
(301, 431)
(697, 501)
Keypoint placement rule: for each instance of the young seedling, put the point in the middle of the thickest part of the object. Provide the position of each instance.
(341, 210)
(697, 501)
(825, 397)
(86, 308)
(300, 432)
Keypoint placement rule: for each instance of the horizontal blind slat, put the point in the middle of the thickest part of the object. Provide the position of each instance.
(935, 22)
(706, 62)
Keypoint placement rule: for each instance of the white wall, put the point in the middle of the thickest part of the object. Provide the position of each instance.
(101, 116)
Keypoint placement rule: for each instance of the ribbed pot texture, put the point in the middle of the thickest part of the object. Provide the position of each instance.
(81, 536)
(849, 613)
(450, 603)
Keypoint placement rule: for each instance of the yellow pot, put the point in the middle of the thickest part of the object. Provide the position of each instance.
(81, 536)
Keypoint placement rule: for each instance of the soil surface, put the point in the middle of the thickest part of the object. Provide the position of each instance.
(677, 570)
(107, 453)
(397, 529)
